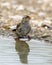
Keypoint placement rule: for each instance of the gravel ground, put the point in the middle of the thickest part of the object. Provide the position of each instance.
(36, 33)
(40, 11)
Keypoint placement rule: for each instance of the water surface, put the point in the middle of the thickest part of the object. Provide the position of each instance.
(33, 52)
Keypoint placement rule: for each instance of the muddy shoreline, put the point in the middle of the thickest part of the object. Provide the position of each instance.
(36, 33)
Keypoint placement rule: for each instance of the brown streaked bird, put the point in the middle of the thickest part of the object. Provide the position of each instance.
(23, 28)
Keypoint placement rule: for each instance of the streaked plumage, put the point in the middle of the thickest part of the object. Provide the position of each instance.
(24, 27)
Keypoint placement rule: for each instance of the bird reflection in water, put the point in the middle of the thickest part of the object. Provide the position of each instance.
(23, 50)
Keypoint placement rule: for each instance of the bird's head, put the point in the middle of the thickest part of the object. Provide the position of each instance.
(26, 18)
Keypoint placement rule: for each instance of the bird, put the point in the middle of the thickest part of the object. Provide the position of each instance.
(23, 28)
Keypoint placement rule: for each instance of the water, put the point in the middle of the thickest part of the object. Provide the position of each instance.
(33, 52)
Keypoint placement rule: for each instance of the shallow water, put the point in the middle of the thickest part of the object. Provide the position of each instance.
(33, 52)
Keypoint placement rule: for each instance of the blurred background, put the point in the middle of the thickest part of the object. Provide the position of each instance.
(12, 11)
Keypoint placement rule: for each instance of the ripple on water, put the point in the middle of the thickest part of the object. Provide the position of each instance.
(33, 52)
